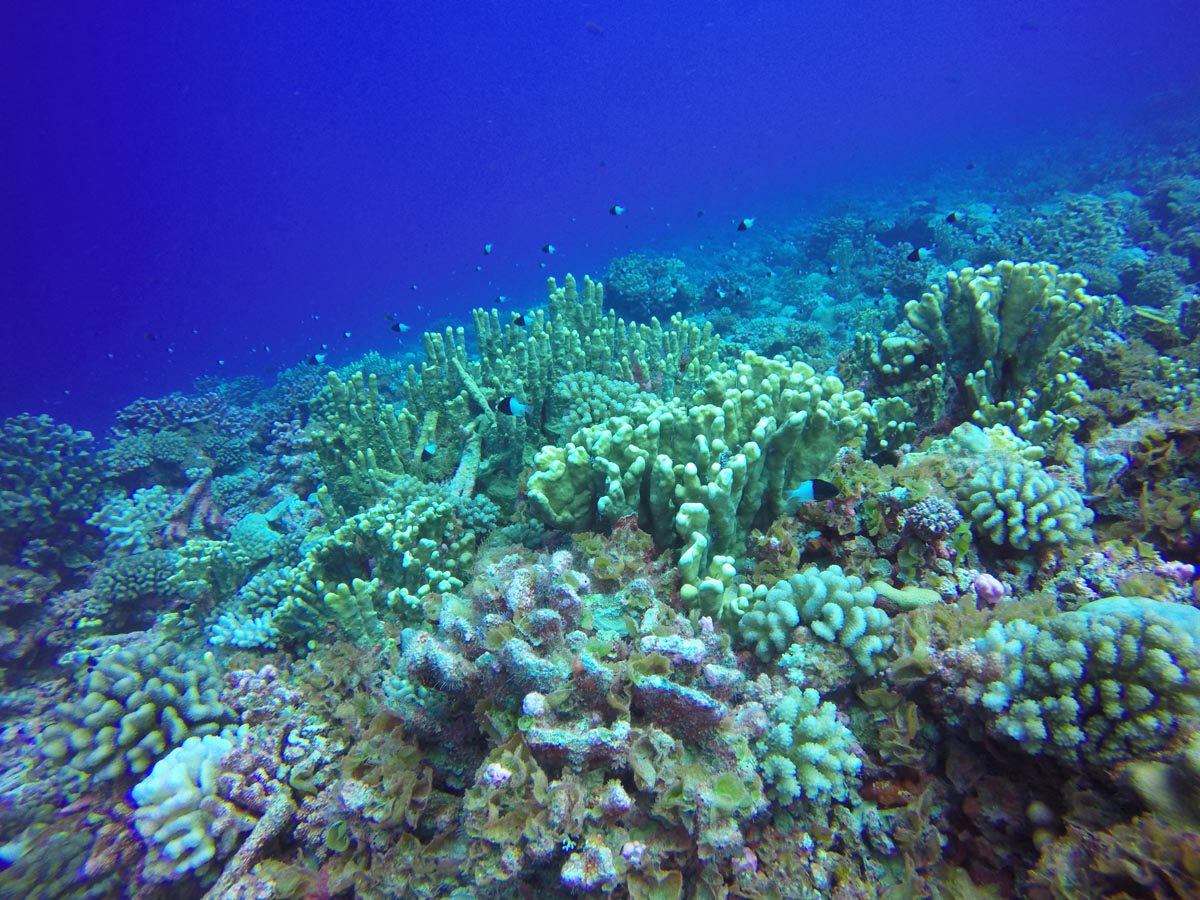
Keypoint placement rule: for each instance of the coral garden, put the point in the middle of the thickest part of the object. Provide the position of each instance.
(365, 633)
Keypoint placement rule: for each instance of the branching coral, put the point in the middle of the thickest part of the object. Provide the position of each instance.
(1111, 681)
(49, 480)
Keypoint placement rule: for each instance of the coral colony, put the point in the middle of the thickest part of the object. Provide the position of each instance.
(723, 604)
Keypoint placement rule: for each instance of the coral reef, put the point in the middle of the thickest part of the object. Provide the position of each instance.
(873, 576)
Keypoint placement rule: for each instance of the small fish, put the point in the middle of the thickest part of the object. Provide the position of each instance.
(970, 166)
(479, 268)
(745, 224)
(400, 327)
(500, 298)
(151, 336)
(915, 256)
(813, 489)
(833, 270)
(414, 287)
(487, 249)
(511, 406)
(616, 210)
(518, 319)
(952, 218)
(427, 452)
(345, 334)
(699, 213)
(549, 248)
(316, 359)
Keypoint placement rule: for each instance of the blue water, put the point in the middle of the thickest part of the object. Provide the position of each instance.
(186, 186)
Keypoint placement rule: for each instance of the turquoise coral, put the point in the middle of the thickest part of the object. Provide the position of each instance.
(135, 523)
(1111, 681)
(808, 753)
(49, 480)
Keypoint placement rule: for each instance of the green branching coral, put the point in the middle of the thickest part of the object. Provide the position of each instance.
(589, 398)
(129, 578)
(703, 473)
(137, 705)
(135, 523)
(808, 753)
(1014, 502)
(1003, 332)
(1111, 681)
(49, 481)
(421, 539)
(574, 335)
(837, 608)
(363, 443)
(999, 324)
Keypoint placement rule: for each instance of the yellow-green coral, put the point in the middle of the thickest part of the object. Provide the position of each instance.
(1004, 332)
(704, 473)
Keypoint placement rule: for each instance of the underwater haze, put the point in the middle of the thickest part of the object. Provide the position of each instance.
(555, 450)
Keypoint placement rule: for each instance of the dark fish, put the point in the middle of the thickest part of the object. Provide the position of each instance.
(699, 213)
(427, 452)
(487, 248)
(915, 256)
(548, 248)
(151, 336)
(595, 29)
(511, 406)
(970, 165)
(316, 359)
(952, 218)
(616, 210)
(808, 491)
(745, 224)
(518, 319)
(833, 270)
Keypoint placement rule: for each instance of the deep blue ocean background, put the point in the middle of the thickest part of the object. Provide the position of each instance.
(187, 185)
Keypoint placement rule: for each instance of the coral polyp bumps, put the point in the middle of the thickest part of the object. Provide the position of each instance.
(350, 654)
